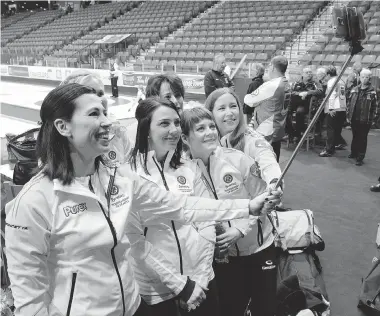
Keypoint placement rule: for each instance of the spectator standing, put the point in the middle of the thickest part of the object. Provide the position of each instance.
(321, 74)
(362, 111)
(216, 77)
(114, 71)
(257, 71)
(270, 106)
(335, 110)
(353, 78)
(303, 90)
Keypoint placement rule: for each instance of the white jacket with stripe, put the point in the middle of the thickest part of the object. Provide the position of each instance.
(67, 248)
(232, 174)
(182, 249)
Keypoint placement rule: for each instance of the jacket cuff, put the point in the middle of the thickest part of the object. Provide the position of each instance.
(187, 290)
(275, 181)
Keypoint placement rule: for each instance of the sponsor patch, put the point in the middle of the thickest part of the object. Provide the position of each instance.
(181, 180)
(74, 209)
(269, 265)
(112, 155)
(115, 190)
(227, 178)
(256, 92)
(262, 143)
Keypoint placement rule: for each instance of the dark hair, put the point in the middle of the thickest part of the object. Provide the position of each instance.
(154, 85)
(144, 113)
(331, 70)
(280, 63)
(52, 148)
(192, 116)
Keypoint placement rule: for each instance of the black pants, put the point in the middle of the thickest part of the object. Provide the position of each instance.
(143, 309)
(115, 89)
(248, 277)
(277, 149)
(209, 307)
(301, 113)
(359, 139)
(334, 126)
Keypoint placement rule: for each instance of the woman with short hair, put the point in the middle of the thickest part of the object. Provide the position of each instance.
(251, 271)
(67, 248)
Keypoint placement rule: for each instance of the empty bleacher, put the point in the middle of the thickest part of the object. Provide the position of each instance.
(257, 29)
(5, 22)
(28, 24)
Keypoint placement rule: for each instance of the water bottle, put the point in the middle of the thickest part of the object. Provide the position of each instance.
(220, 256)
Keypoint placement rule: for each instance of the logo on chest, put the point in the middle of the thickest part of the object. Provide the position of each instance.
(68, 210)
(183, 187)
(231, 186)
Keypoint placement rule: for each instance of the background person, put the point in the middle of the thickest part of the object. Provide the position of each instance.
(57, 262)
(251, 272)
(185, 251)
(269, 103)
(257, 71)
(362, 110)
(302, 92)
(353, 78)
(114, 76)
(335, 110)
(216, 77)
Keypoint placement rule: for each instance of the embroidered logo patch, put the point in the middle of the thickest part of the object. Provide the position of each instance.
(227, 178)
(181, 180)
(112, 155)
(74, 209)
(115, 190)
(256, 92)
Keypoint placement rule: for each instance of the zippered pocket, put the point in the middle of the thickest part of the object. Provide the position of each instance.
(73, 282)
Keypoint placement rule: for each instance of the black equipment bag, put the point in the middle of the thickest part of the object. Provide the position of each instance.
(22, 148)
(369, 298)
(307, 268)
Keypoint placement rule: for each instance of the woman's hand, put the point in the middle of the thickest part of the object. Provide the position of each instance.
(264, 202)
(225, 240)
(196, 298)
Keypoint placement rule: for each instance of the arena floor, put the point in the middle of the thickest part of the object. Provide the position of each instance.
(336, 190)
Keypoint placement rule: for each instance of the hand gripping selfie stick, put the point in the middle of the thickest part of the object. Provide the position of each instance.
(351, 28)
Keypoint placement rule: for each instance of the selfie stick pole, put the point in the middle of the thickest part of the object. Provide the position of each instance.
(355, 48)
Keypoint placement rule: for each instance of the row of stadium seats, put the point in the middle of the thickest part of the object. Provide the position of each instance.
(160, 18)
(28, 24)
(74, 25)
(15, 18)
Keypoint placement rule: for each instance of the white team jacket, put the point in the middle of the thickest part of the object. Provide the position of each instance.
(67, 248)
(232, 174)
(261, 151)
(185, 252)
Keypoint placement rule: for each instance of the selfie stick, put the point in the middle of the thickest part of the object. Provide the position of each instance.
(354, 48)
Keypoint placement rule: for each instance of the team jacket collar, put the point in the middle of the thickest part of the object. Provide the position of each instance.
(152, 160)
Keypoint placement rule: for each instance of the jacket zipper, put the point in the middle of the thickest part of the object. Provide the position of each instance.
(173, 225)
(113, 232)
(73, 281)
(216, 198)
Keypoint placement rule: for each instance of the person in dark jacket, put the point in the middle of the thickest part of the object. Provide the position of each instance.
(303, 90)
(257, 71)
(216, 78)
(353, 78)
(362, 111)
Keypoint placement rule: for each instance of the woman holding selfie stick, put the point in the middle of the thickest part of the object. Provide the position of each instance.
(67, 250)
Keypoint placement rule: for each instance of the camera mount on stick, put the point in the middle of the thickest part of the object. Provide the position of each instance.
(349, 25)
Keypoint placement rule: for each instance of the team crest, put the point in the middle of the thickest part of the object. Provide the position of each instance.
(115, 190)
(181, 180)
(112, 155)
(227, 178)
